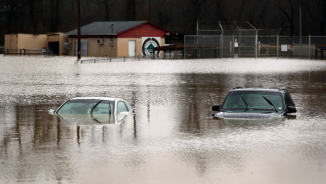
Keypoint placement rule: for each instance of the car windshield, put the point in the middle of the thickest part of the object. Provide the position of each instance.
(251, 100)
(87, 107)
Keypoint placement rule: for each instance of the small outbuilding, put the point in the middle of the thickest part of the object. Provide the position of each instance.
(117, 39)
(35, 43)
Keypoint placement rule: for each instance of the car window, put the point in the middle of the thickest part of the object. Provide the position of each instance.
(121, 107)
(288, 100)
(105, 107)
(77, 106)
(128, 106)
(234, 101)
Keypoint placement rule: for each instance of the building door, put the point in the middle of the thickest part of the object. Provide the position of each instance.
(84, 47)
(132, 48)
(54, 48)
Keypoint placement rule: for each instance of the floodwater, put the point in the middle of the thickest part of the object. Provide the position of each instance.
(172, 136)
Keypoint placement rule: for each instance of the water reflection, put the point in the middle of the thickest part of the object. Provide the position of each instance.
(93, 118)
(172, 136)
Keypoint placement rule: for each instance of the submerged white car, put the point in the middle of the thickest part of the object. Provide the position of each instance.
(100, 109)
(93, 105)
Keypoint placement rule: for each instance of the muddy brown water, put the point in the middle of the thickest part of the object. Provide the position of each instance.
(171, 137)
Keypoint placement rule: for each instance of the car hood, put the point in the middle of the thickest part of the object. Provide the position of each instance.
(250, 114)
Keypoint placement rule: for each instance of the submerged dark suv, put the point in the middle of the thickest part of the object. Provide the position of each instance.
(255, 103)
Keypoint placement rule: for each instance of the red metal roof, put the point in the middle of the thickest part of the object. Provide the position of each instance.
(145, 29)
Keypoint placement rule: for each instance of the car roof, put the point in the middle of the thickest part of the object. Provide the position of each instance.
(95, 98)
(281, 90)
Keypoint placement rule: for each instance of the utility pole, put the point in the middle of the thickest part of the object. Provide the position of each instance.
(79, 42)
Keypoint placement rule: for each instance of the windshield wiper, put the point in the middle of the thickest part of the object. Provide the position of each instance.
(270, 103)
(94, 106)
(244, 102)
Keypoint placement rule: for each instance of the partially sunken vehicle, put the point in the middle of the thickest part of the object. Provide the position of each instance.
(243, 103)
(98, 109)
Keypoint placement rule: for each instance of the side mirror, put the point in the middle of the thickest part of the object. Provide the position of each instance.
(291, 109)
(216, 108)
(51, 111)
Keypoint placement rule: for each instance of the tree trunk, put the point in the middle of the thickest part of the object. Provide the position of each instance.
(107, 14)
(243, 5)
(131, 10)
(149, 10)
(322, 29)
(56, 16)
(51, 15)
(34, 15)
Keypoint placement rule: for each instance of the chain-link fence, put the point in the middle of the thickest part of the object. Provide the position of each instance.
(241, 39)
(248, 45)
(27, 52)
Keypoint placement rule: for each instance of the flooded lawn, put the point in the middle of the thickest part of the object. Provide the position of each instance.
(172, 136)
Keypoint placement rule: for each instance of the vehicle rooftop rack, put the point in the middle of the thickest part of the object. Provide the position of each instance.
(282, 89)
(238, 88)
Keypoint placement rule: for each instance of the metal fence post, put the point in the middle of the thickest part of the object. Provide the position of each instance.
(230, 48)
(194, 53)
(213, 48)
(233, 45)
(309, 45)
(278, 43)
(220, 46)
(222, 49)
(239, 42)
(256, 44)
(259, 48)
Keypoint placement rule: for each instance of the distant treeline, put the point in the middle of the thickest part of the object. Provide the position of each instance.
(42, 16)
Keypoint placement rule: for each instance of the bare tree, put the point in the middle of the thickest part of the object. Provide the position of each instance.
(149, 10)
(12, 7)
(195, 8)
(317, 12)
(131, 10)
(163, 13)
(258, 16)
(287, 8)
(199, 9)
(219, 10)
(242, 9)
(56, 15)
(69, 13)
(107, 5)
